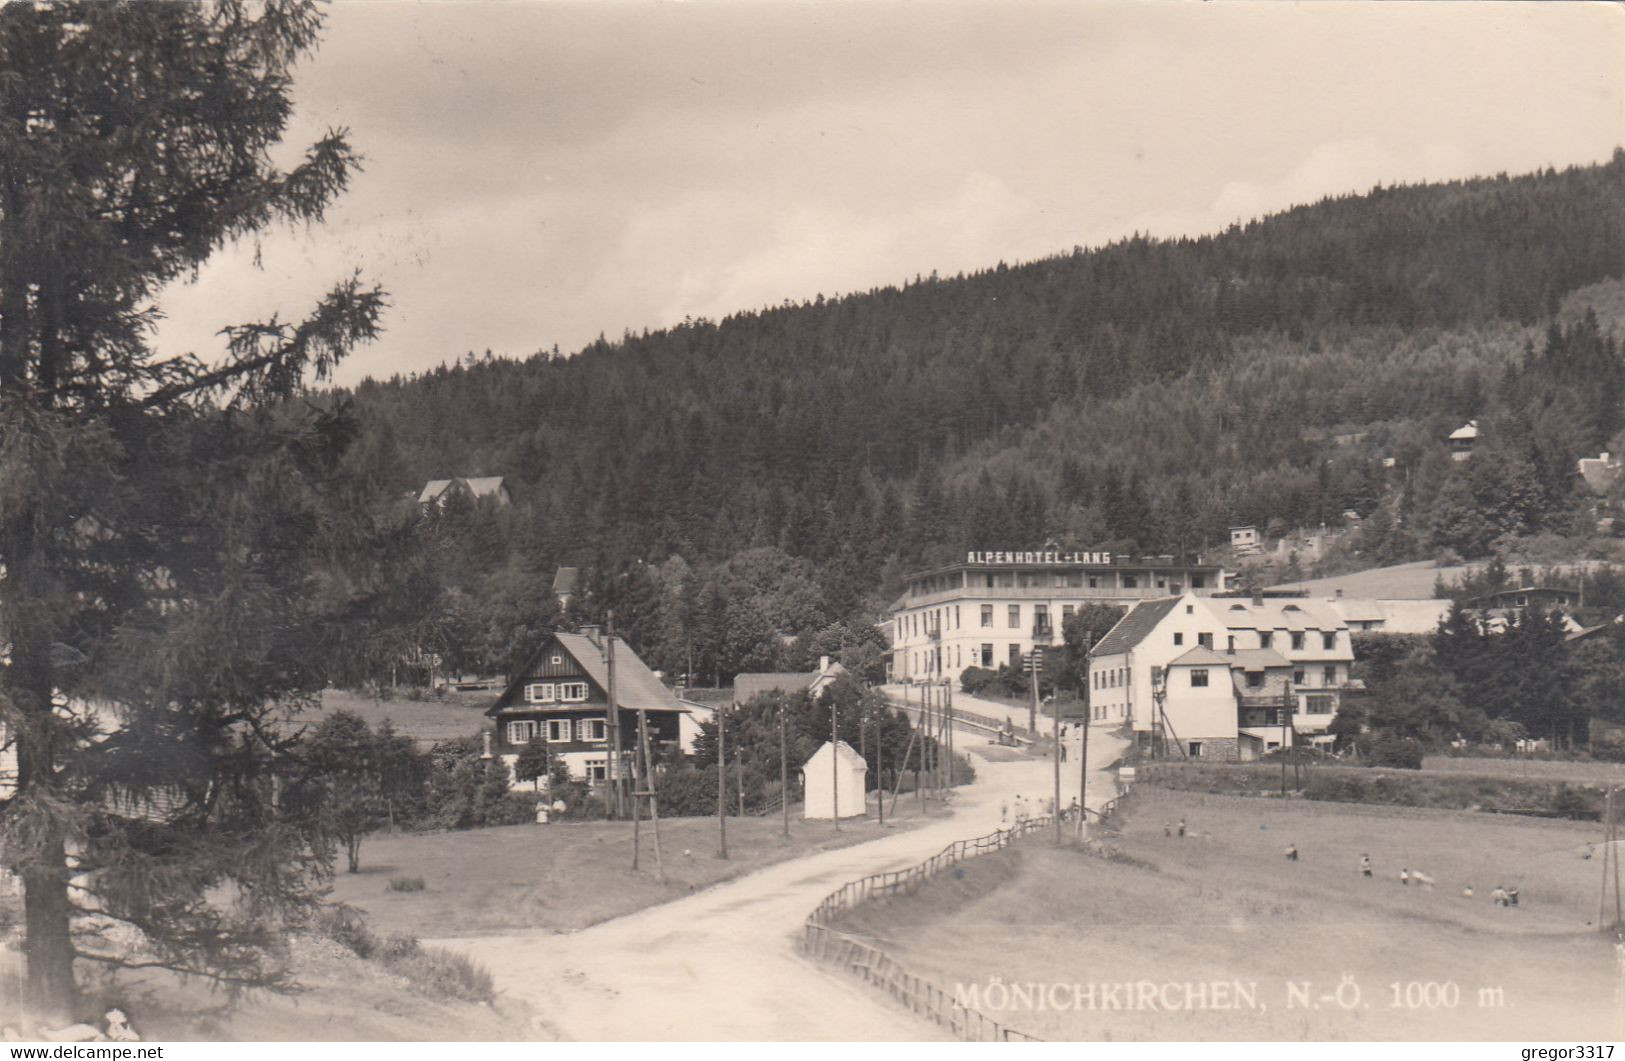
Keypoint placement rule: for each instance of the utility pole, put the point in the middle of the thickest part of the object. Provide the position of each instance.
(1055, 753)
(835, 762)
(613, 764)
(722, 781)
(647, 775)
(1286, 732)
(784, 766)
(948, 709)
(739, 777)
(880, 767)
(1083, 754)
(1033, 661)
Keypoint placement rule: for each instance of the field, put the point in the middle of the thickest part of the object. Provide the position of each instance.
(426, 721)
(567, 876)
(1578, 772)
(1219, 937)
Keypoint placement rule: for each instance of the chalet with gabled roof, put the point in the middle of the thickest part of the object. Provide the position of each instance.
(437, 492)
(560, 698)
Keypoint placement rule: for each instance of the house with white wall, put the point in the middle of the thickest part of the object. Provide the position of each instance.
(1169, 668)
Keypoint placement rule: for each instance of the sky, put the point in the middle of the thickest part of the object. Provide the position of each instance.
(538, 174)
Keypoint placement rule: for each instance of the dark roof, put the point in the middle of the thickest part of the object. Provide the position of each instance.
(636, 687)
(1132, 628)
(749, 686)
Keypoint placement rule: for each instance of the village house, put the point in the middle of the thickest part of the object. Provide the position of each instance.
(561, 698)
(1462, 440)
(1215, 674)
(749, 686)
(438, 492)
(995, 607)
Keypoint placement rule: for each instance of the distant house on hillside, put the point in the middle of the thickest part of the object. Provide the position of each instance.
(565, 582)
(749, 686)
(1244, 540)
(1546, 597)
(1462, 440)
(1498, 609)
(437, 492)
(1599, 472)
(561, 698)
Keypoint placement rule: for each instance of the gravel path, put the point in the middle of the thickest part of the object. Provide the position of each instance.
(722, 964)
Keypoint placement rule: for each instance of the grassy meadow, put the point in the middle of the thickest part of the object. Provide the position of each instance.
(1223, 905)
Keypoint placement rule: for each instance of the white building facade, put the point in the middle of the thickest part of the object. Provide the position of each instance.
(997, 606)
(1170, 667)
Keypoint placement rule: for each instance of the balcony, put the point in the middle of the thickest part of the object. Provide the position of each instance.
(1043, 631)
(933, 631)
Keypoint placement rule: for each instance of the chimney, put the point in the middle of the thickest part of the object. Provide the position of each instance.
(1258, 596)
(486, 754)
(591, 634)
(823, 664)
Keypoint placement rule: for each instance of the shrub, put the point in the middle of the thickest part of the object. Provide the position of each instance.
(430, 970)
(405, 884)
(1402, 753)
(346, 926)
(438, 973)
(975, 679)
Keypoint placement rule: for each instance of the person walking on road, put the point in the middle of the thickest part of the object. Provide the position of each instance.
(1182, 828)
(1365, 865)
(1292, 852)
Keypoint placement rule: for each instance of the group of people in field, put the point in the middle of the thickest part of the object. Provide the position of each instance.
(1501, 896)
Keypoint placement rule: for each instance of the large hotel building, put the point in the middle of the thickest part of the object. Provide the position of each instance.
(996, 606)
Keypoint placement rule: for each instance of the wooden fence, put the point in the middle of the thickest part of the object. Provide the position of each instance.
(875, 966)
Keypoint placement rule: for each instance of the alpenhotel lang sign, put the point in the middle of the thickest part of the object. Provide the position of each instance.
(974, 557)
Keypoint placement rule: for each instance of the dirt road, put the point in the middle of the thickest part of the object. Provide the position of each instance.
(723, 964)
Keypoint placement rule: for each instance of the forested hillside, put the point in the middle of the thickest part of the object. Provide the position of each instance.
(1143, 395)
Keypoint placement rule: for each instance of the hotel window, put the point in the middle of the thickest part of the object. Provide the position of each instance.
(1297, 641)
(596, 769)
(1196, 749)
(956, 617)
(1300, 676)
(1131, 581)
(1255, 679)
(1190, 609)
(987, 655)
(1094, 581)
(1328, 641)
(558, 660)
(1015, 616)
(539, 693)
(521, 732)
(1162, 581)
(1328, 676)
(1230, 643)
(1015, 655)
(1179, 638)
(1198, 678)
(990, 580)
(987, 615)
(573, 691)
(595, 730)
(1205, 640)
(1197, 581)
(1264, 639)
(1066, 612)
(558, 730)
